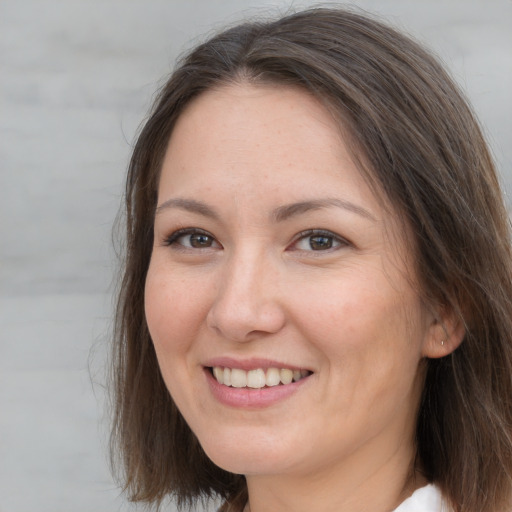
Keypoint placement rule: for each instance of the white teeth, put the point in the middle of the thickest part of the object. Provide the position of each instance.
(258, 378)
(272, 377)
(219, 374)
(286, 376)
(227, 377)
(238, 378)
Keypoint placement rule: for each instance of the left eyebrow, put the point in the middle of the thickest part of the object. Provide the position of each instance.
(290, 210)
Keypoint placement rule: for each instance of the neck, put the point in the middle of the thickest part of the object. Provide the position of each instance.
(374, 480)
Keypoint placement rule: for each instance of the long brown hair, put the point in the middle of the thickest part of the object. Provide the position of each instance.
(418, 143)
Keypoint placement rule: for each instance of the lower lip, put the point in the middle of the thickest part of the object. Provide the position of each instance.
(248, 398)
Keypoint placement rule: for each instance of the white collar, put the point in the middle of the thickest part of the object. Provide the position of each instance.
(425, 499)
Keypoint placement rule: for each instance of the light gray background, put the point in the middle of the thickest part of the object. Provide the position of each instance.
(76, 78)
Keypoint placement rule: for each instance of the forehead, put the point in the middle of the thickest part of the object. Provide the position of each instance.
(256, 132)
(260, 114)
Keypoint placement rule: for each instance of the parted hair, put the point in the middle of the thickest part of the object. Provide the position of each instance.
(418, 143)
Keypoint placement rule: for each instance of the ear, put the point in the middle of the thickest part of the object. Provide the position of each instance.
(444, 334)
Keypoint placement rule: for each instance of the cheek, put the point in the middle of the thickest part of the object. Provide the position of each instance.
(174, 314)
(365, 324)
(352, 307)
(174, 308)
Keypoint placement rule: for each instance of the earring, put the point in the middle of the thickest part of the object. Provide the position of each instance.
(442, 343)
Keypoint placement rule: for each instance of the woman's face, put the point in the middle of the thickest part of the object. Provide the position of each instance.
(274, 262)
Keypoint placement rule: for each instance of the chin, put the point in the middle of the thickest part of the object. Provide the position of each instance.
(247, 454)
(247, 464)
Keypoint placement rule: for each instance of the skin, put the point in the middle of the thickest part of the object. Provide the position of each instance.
(255, 288)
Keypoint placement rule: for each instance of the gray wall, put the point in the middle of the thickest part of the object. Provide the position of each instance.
(76, 79)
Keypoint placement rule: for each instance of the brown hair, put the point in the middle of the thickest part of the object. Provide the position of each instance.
(423, 149)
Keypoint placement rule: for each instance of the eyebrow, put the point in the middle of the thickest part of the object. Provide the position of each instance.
(190, 205)
(290, 210)
(280, 214)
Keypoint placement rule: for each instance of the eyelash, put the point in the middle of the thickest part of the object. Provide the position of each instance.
(172, 240)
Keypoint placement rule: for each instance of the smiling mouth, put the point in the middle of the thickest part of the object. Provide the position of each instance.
(257, 378)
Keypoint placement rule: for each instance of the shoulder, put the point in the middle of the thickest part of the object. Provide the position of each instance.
(425, 499)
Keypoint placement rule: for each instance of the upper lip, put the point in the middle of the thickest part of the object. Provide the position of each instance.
(250, 364)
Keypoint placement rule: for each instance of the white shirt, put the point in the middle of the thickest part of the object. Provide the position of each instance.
(425, 499)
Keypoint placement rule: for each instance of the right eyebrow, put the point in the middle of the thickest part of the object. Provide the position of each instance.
(190, 205)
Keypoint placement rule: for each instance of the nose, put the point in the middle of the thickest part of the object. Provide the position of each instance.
(247, 305)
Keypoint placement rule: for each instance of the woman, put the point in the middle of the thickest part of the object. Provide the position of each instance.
(316, 308)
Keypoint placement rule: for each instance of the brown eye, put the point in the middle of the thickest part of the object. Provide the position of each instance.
(320, 243)
(318, 240)
(192, 239)
(198, 241)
